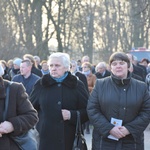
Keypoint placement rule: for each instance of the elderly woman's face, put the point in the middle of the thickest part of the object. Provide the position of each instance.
(57, 69)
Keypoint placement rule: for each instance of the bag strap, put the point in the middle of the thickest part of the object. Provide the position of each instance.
(78, 126)
(6, 101)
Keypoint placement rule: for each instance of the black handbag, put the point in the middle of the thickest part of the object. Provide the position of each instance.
(25, 141)
(79, 141)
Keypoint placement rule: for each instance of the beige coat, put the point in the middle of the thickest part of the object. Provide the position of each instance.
(91, 79)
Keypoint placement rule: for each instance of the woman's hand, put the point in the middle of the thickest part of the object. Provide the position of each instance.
(6, 127)
(124, 130)
(66, 114)
(116, 132)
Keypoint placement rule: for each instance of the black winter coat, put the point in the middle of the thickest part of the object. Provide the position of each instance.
(49, 98)
(127, 100)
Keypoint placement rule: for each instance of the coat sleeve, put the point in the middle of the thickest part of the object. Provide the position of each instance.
(98, 120)
(82, 104)
(34, 96)
(138, 125)
(24, 116)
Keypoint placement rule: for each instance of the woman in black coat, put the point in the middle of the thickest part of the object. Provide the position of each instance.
(119, 108)
(57, 97)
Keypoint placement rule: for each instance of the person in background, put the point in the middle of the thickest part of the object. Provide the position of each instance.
(10, 64)
(119, 108)
(21, 116)
(4, 65)
(91, 78)
(57, 97)
(37, 61)
(136, 69)
(147, 80)
(16, 67)
(25, 77)
(135, 76)
(34, 69)
(79, 65)
(87, 59)
(144, 62)
(45, 68)
(148, 68)
(101, 70)
(74, 70)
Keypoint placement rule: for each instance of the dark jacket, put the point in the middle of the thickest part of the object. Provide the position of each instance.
(99, 75)
(82, 77)
(127, 100)
(139, 71)
(49, 98)
(20, 113)
(13, 72)
(135, 76)
(36, 71)
(27, 82)
(6, 76)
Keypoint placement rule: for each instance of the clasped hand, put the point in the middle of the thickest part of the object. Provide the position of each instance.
(119, 132)
(66, 114)
(6, 127)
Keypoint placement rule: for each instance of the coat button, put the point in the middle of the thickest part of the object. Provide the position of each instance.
(59, 102)
(59, 85)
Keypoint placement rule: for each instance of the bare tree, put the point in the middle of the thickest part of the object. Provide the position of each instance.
(94, 27)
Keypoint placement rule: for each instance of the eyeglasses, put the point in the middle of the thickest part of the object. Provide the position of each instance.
(121, 63)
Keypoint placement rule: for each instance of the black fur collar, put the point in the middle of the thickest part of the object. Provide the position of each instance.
(70, 81)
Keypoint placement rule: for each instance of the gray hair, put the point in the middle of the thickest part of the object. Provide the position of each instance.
(37, 58)
(75, 63)
(100, 64)
(64, 57)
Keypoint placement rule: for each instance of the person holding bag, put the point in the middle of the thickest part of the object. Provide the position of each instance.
(21, 116)
(58, 96)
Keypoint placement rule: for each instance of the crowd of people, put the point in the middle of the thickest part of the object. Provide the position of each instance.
(113, 97)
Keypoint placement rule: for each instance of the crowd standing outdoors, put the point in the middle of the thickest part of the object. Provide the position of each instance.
(112, 97)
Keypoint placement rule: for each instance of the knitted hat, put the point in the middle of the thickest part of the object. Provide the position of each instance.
(1, 70)
(17, 61)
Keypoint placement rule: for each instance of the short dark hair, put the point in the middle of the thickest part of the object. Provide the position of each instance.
(145, 59)
(119, 56)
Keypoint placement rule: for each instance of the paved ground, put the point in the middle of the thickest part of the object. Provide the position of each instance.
(146, 134)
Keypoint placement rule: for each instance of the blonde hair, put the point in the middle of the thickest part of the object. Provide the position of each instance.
(89, 65)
